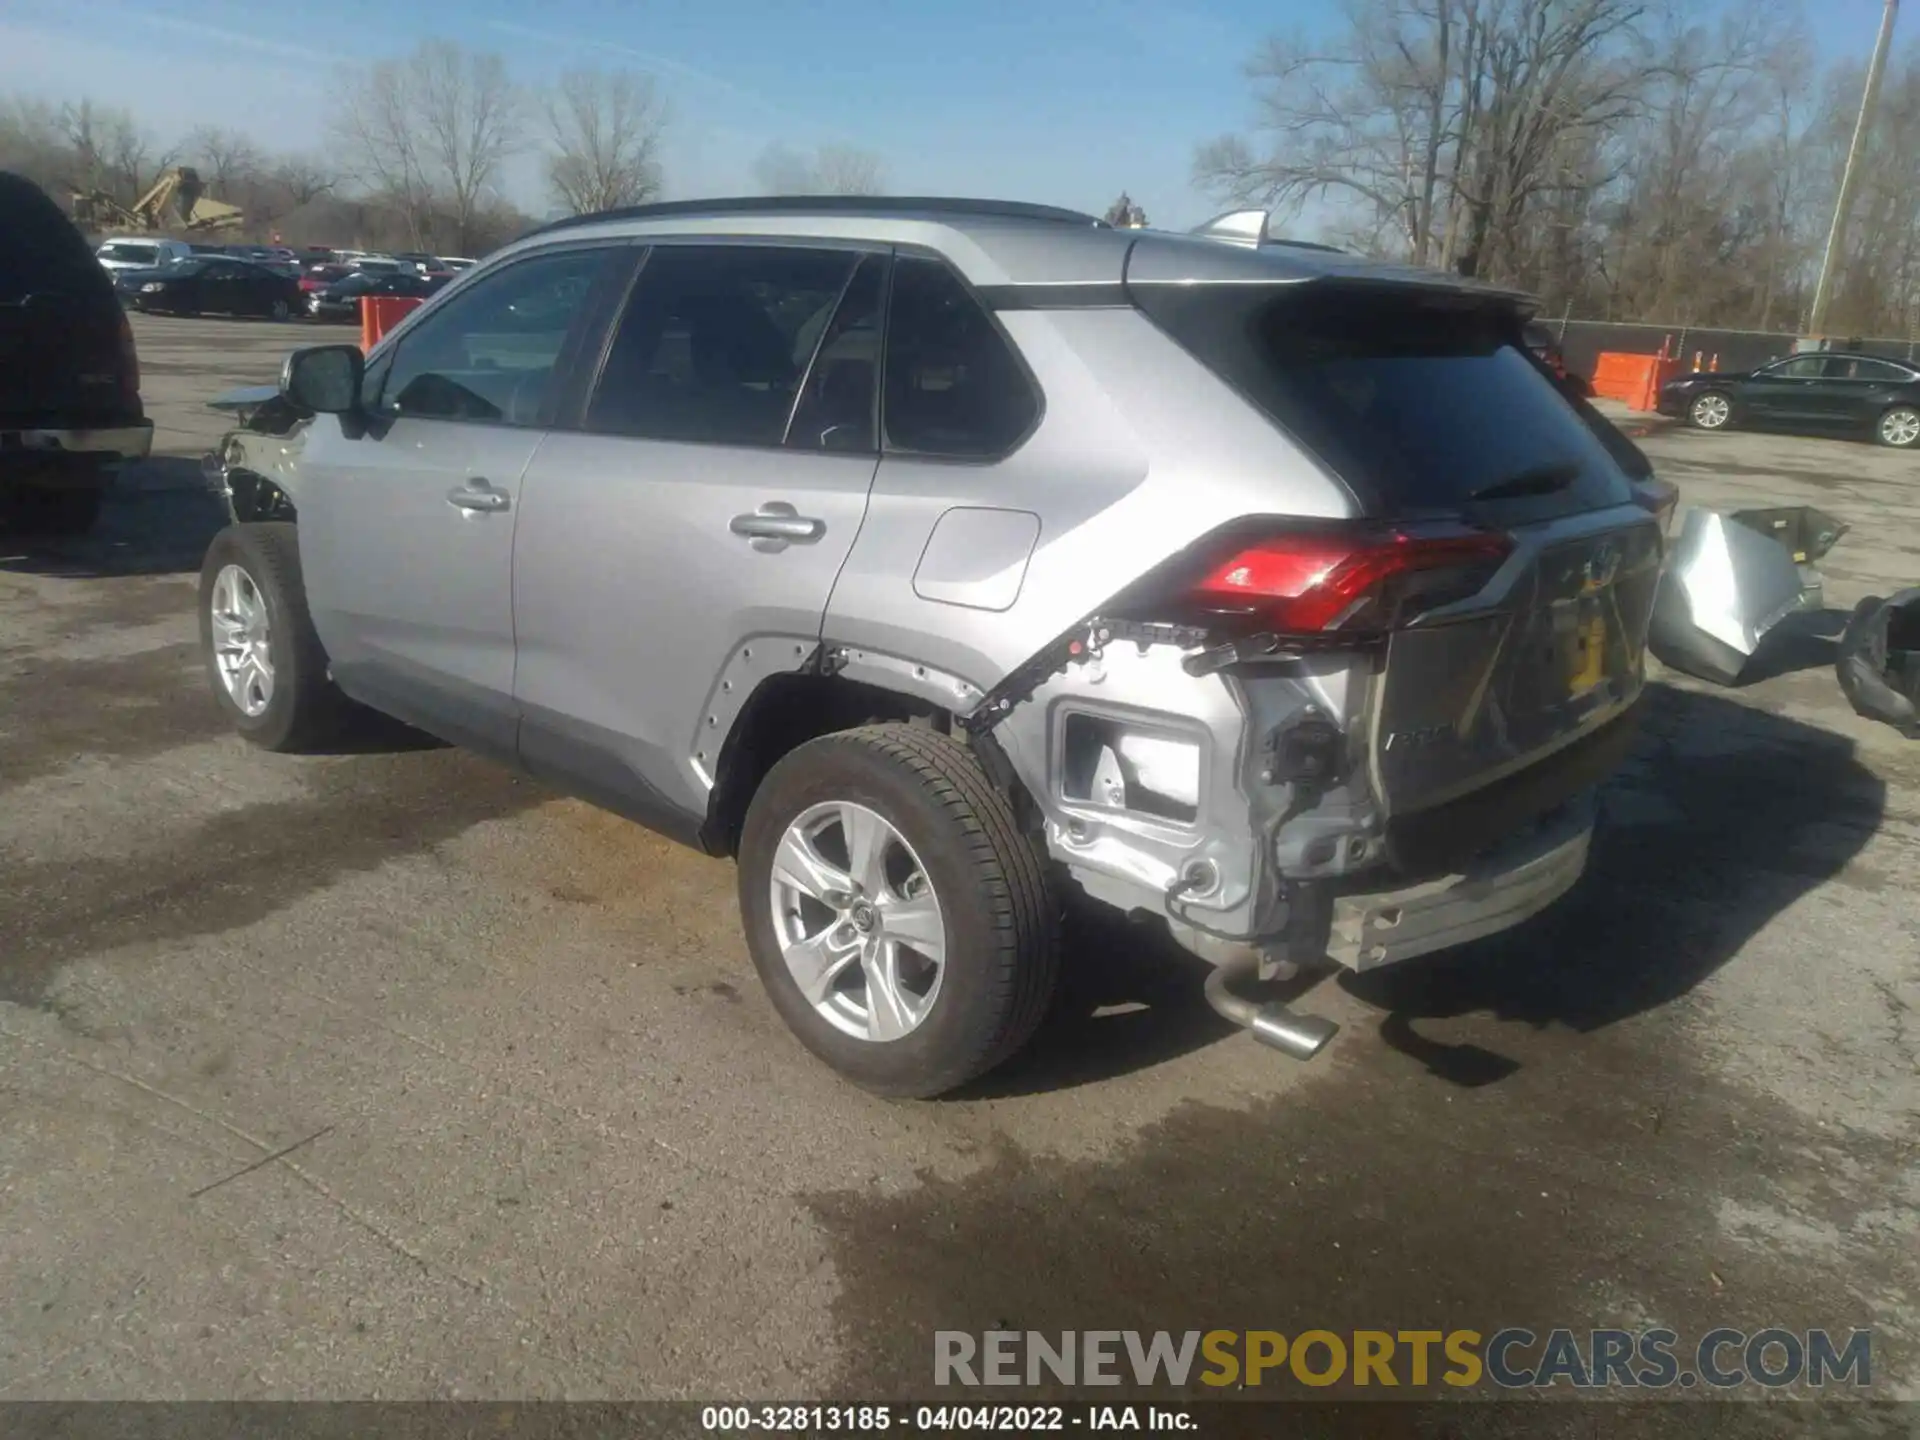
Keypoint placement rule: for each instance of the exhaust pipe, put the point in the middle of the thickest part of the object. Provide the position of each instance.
(1289, 1031)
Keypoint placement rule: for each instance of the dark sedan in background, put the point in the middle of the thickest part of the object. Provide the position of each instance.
(1822, 392)
(341, 300)
(211, 284)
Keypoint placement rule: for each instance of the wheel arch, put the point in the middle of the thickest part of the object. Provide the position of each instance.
(835, 690)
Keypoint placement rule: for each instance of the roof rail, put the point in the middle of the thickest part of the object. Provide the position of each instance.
(873, 205)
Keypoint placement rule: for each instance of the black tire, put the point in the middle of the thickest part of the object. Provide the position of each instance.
(59, 513)
(1001, 918)
(279, 309)
(306, 708)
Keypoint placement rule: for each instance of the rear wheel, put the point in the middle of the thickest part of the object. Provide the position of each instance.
(263, 656)
(279, 310)
(902, 923)
(1899, 427)
(1711, 411)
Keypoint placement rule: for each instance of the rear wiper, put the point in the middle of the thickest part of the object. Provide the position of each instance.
(1534, 480)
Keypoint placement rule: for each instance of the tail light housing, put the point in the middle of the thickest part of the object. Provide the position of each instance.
(1335, 583)
(129, 363)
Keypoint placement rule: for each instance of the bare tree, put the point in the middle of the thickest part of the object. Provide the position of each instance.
(304, 179)
(430, 133)
(606, 128)
(226, 159)
(830, 170)
(1436, 124)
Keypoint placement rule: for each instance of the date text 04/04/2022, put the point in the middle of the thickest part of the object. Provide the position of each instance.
(941, 1419)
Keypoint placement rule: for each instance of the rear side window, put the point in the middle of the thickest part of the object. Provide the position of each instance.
(954, 386)
(716, 342)
(1417, 404)
(837, 405)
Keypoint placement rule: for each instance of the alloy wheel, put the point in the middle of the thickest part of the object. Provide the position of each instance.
(1710, 412)
(858, 922)
(242, 641)
(1900, 427)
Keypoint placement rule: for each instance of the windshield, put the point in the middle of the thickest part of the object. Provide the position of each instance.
(133, 254)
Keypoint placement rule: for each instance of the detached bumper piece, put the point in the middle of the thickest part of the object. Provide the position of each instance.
(1879, 665)
(1730, 579)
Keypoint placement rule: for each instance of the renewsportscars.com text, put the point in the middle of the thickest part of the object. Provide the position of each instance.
(1511, 1359)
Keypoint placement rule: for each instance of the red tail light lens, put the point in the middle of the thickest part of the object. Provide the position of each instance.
(129, 363)
(1305, 583)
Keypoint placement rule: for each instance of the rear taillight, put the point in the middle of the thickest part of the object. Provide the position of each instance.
(129, 363)
(1352, 579)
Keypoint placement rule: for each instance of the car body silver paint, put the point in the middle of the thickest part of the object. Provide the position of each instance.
(1724, 588)
(632, 593)
(1141, 450)
(977, 557)
(395, 574)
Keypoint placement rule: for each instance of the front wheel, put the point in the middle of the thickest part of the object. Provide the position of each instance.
(1711, 411)
(1899, 427)
(263, 656)
(902, 923)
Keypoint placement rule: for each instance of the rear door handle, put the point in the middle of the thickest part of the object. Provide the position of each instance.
(777, 524)
(477, 495)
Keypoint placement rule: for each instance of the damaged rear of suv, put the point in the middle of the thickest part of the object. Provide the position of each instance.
(933, 558)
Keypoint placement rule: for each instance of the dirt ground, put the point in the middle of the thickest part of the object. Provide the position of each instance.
(553, 1141)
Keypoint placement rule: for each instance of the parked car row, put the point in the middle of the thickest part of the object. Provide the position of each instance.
(1826, 392)
(225, 285)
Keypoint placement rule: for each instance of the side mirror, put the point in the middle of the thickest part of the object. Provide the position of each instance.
(324, 379)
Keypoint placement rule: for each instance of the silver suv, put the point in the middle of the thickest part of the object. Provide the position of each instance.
(941, 560)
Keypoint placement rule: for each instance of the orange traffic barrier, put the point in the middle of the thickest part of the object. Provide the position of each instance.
(380, 313)
(1633, 379)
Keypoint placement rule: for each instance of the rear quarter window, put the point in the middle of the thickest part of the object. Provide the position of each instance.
(1416, 402)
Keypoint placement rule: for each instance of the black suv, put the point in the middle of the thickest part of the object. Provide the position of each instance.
(70, 409)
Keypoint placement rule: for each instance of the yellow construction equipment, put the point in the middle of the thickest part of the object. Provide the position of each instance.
(176, 201)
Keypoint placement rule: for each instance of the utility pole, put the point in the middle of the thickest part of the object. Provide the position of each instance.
(1850, 177)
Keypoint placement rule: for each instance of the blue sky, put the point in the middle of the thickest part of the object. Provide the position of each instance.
(1067, 101)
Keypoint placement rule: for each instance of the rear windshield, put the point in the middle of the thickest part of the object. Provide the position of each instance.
(1417, 402)
(138, 254)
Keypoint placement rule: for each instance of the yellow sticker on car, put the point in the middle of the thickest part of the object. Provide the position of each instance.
(1590, 661)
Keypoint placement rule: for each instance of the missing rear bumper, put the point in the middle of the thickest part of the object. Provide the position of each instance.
(1497, 891)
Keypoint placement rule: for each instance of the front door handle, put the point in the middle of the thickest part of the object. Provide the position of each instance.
(477, 495)
(777, 524)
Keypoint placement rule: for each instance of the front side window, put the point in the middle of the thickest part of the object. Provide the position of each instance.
(954, 387)
(490, 354)
(716, 341)
(1807, 367)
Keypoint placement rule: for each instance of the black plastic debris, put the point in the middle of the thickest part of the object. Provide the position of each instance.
(1879, 664)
